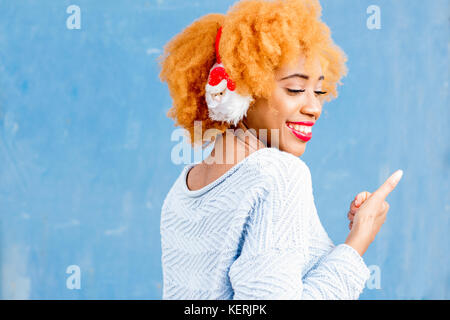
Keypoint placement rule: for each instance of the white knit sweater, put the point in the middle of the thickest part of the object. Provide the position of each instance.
(254, 233)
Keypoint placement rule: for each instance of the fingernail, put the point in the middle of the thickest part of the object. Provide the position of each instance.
(357, 201)
(397, 176)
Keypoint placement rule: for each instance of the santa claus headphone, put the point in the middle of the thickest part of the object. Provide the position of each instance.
(224, 103)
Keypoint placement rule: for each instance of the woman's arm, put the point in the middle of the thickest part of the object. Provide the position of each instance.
(277, 274)
(275, 252)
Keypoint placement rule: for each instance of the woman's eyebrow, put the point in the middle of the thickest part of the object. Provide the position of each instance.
(303, 76)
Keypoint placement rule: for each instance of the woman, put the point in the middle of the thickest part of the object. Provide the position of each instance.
(242, 224)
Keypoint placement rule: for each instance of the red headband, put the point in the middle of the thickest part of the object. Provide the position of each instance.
(219, 34)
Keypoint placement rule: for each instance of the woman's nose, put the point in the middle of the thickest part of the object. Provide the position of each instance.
(312, 105)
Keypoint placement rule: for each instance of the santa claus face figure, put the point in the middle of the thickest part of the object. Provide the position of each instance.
(224, 103)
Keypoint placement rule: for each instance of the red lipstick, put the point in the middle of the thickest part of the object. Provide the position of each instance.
(303, 136)
(302, 123)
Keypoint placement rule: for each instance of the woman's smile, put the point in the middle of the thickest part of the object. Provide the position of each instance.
(302, 130)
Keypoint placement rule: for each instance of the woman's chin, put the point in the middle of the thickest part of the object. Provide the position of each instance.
(297, 148)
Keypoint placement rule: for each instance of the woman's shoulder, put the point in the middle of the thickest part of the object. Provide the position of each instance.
(279, 166)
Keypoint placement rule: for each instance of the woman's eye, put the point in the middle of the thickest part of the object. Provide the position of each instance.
(295, 91)
(303, 90)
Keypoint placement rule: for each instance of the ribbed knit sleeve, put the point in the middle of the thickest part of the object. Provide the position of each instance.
(272, 263)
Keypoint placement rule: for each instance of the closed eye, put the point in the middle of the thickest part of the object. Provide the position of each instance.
(303, 90)
(295, 91)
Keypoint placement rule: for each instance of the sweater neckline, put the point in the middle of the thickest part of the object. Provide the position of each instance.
(229, 172)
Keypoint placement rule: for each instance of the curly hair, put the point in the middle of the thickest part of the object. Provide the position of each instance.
(258, 36)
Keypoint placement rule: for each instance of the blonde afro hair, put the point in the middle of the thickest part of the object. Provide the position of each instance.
(258, 36)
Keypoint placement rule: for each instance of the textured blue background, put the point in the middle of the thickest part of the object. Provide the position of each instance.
(85, 143)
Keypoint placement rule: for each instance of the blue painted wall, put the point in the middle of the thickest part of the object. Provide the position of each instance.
(85, 144)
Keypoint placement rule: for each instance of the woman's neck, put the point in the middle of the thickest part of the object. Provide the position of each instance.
(234, 145)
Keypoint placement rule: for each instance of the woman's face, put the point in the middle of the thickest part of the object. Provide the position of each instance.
(296, 99)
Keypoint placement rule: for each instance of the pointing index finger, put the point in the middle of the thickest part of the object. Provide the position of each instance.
(388, 185)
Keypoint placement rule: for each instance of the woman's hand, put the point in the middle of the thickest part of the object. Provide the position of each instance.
(355, 204)
(371, 214)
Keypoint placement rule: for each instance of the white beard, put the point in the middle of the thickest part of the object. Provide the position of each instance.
(230, 107)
